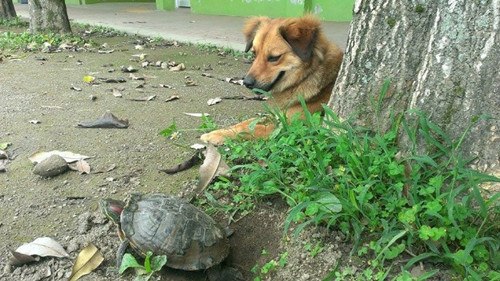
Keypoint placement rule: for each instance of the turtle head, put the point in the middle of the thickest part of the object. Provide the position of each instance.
(112, 209)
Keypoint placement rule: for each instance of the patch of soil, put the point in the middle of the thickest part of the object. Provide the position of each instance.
(46, 87)
(50, 88)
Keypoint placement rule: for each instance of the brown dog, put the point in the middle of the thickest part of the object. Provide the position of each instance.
(292, 58)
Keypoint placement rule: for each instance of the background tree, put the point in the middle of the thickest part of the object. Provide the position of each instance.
(441, 57)
(48, 15)
(7, 10)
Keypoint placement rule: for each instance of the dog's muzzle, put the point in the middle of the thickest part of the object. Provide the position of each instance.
(251, 83)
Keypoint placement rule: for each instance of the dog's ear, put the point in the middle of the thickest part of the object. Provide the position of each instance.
(301, 34)
(250, 28)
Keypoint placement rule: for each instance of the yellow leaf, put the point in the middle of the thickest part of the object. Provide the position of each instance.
(88, 79)
(88, 259)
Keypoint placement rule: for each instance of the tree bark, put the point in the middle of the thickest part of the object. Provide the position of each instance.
(441, 57)
(48, 16)
(7, 10)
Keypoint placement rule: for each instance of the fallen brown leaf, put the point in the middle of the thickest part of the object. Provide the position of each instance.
(67, 155)
(42, 247)
(108, 120)
(172, 98)
(117, 93)
(81, 166)
(214, 101)
(212, 166)
(178, 67)
(86, 261)
(150, 98)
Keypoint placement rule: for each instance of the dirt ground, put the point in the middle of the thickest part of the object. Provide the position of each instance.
(41, 86)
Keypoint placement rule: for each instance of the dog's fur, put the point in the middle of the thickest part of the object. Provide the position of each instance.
(292, 58)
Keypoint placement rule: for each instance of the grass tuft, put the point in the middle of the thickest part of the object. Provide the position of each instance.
(393, 204)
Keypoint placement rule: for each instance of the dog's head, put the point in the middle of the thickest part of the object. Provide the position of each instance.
(283, 49)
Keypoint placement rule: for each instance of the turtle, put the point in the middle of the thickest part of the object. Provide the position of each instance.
(168, 225)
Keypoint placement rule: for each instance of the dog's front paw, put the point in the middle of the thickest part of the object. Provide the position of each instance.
(214, 137)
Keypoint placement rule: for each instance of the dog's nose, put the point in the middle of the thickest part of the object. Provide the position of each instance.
(249, 82)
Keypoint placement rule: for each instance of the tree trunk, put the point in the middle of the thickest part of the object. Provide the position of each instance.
(441, 57)
(7, 10)
(48, 15)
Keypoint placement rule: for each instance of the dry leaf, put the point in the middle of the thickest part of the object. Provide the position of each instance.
(111, 168)
(178, 67)
(113, 80)
(88, 79)
(172, 98)
(69, 156)
(150, 98)
(209, 168)
(18, 259)
(107, 120)
(206, 75)
(43, 247)
(117, 93)
(166, 86)
(214, 101)
(133, 77)
(86, 261)
(81, 166)
(105, 51)
(129, 69)
(139, 56)
(190, 83)
(234, 80)
(3, 154)
(196, 114)
(198, 146)
(193, 160)
(74, 88)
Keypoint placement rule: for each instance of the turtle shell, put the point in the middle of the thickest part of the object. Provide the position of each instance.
(168, 225)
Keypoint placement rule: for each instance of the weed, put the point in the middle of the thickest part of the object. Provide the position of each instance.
(14, 22)
(172, 132)
(13, 40)
(151, 265)
(428, 206)
(314, 250)
(261, 271)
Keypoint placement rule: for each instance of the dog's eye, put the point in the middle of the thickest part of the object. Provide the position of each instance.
(273, 58)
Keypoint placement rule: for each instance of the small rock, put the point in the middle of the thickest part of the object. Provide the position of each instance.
(50, 167)
(72, 246)
(83, 223)
(7, 269)
(417, 271)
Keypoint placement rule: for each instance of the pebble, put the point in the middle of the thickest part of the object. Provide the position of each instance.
(50, 167)
(7, 269)
(83, 223)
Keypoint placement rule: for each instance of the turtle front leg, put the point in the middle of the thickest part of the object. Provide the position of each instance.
(121, 251)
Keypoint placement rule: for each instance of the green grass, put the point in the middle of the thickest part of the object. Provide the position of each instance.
(14, 22)
(422, 207)
(11, 40)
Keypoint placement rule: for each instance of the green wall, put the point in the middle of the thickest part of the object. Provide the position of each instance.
(274, 8)
(82, 2)
(332, 10)
(329, 10)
